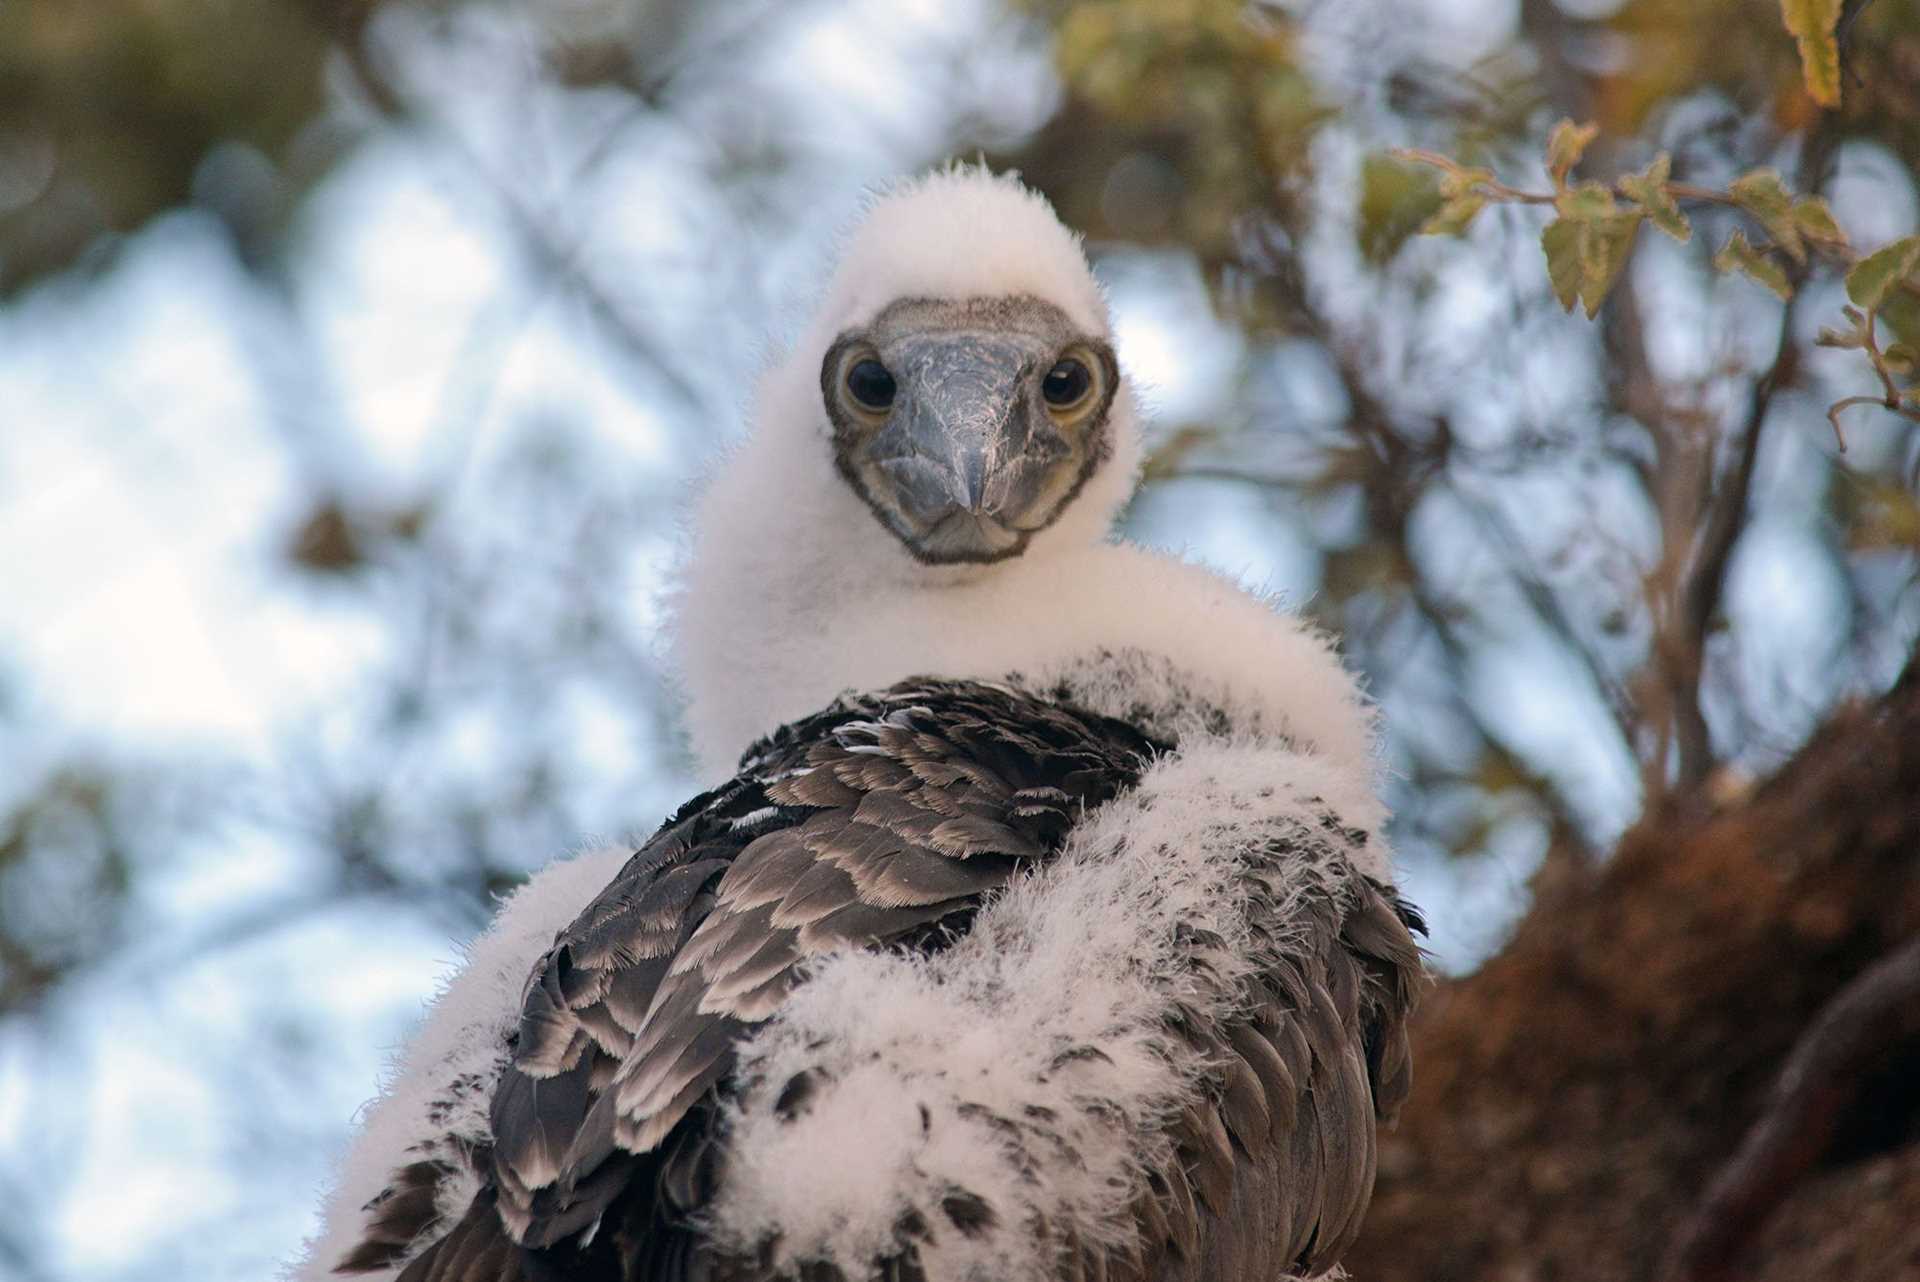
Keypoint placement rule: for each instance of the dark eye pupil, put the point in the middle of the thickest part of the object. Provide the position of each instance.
(1066, 383)
(870, 384)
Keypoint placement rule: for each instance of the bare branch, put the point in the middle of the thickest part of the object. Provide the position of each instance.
(1701, 593)
(1871, 1019)
(548, 253)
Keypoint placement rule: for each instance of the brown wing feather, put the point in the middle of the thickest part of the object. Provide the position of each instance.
(401, 1213)
(1305, 1076)
(872, 824)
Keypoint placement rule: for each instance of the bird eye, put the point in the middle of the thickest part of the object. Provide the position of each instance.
(870, 385)
(1067, 383)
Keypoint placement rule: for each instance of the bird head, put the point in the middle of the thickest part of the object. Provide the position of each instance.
(968, 425)
(962, 391)
(952, 421)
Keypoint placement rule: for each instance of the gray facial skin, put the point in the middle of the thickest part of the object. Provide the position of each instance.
(969, 461)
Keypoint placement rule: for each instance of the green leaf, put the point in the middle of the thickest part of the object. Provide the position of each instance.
(1606, 244)
(1586, 255)
(1739, 255)
(1566, 145)
(1649, 191)
(1396, 199)
(1814, 217)
(1454, 217)
(1586, 203)
(1456, 183)
(1588, 244)
(1811, 23)
(1874, 276)
(1902, 358)
(1761, 193)
(1899, 315)
(1561, 241)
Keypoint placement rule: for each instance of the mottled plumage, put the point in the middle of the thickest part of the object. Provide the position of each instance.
(881, 823)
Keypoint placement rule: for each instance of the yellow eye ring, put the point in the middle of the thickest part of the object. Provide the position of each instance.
(1071, 383)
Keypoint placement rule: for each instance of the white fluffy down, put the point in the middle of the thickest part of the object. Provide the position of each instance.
(442, 1084)
(1046, 620)
(959, 232)
(953, 1074)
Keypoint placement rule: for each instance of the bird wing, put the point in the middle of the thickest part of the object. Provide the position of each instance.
(1273, 1165)
(885, 822)
(881, 822)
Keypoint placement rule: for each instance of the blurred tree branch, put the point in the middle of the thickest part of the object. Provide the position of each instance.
(1836, 1061)
(352, 34)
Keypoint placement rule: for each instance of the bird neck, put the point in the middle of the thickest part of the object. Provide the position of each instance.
(773, 624)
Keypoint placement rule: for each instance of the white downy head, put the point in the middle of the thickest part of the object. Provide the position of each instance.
(929, 488)
(911, 425)
(961, 310)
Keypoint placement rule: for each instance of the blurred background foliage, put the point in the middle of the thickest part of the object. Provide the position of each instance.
(356, 356)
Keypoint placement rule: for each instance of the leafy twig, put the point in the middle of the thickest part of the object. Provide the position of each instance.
(1904, 402)
(1480, 180)
(1589, 242)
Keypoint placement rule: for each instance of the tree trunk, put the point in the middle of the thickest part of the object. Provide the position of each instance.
(1578, 1097)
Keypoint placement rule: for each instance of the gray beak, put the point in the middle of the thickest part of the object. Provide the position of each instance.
(964, 449)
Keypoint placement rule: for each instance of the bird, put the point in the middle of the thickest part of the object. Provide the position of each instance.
(1041, 922)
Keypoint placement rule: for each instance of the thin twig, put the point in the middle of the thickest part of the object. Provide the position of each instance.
(1546, 603)
(1727, 519)
(1686, 192)
(1843, 38)
(1900, 407)
(1865, 337)
(548, 253)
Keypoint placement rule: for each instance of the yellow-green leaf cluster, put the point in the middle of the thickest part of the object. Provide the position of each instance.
(1876, 275)
(1172, 58)
(1739, 254)
(1815, 220)
(1588, 245)
(1762, 193)
(1566, 145)
(1648, 189)
(1789, 221)
(1879, 513)
(1455, 216)
(1210, 93)
(114, 105)
(1812, 23)
(1396, 200)
(1852, 338)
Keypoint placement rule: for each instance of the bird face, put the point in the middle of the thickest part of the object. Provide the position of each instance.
(969, 426)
